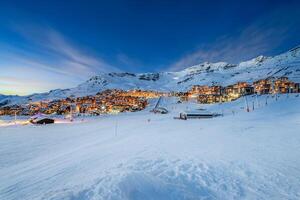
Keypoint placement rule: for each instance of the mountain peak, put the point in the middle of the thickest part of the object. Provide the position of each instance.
(206, 73)
(208, 67)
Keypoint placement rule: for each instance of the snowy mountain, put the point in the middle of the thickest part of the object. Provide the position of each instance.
(220, 73)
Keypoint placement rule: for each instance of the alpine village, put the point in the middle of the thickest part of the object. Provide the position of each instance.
(115, 101)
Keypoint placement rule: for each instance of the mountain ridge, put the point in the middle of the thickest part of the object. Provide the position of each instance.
(206, 73)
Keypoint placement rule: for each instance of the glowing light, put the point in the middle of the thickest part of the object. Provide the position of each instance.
(4, 123)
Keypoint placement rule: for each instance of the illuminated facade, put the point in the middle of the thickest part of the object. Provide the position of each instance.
(275, 85)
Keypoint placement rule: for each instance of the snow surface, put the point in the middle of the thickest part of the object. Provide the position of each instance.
(143, 155)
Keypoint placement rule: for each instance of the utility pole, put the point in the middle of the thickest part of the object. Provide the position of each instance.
(116, 128)
(71, 113)
(15, 117)
(273, 85)
(246, 101)
(257, 101)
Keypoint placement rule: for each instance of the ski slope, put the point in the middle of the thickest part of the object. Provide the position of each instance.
(143, 155)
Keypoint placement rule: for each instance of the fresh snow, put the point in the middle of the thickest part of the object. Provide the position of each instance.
(143, 155)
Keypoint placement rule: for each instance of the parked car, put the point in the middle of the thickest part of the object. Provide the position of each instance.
(41, 119)
(160, 110)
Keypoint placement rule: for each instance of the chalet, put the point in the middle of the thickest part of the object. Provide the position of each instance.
(284, 85)
(238, 89)
(210, 98)
(263, 86)
(205, 90)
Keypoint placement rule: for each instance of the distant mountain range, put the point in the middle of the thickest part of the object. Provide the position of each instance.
(220, 73)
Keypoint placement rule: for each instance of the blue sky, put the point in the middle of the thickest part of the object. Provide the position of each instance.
(58, 44)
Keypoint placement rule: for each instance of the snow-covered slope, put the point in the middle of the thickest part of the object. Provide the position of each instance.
(286, 64)
(256, 158)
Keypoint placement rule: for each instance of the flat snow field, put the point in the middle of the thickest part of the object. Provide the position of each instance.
(142, 155)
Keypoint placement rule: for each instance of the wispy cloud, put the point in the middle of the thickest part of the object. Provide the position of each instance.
(24, 85)
(258, 38)
(54, 44)
(131, 64)
(50, 59)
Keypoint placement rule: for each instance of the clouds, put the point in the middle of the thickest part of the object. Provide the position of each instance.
(262, 36)
(49, 45)
(22, 85)
(131, 64)
(53, 44)
(46, 60)
(78, 60)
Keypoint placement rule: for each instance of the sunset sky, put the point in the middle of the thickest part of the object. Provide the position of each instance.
(59, 44)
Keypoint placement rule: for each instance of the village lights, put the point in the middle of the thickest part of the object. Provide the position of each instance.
(215, 94)
(115, 101)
